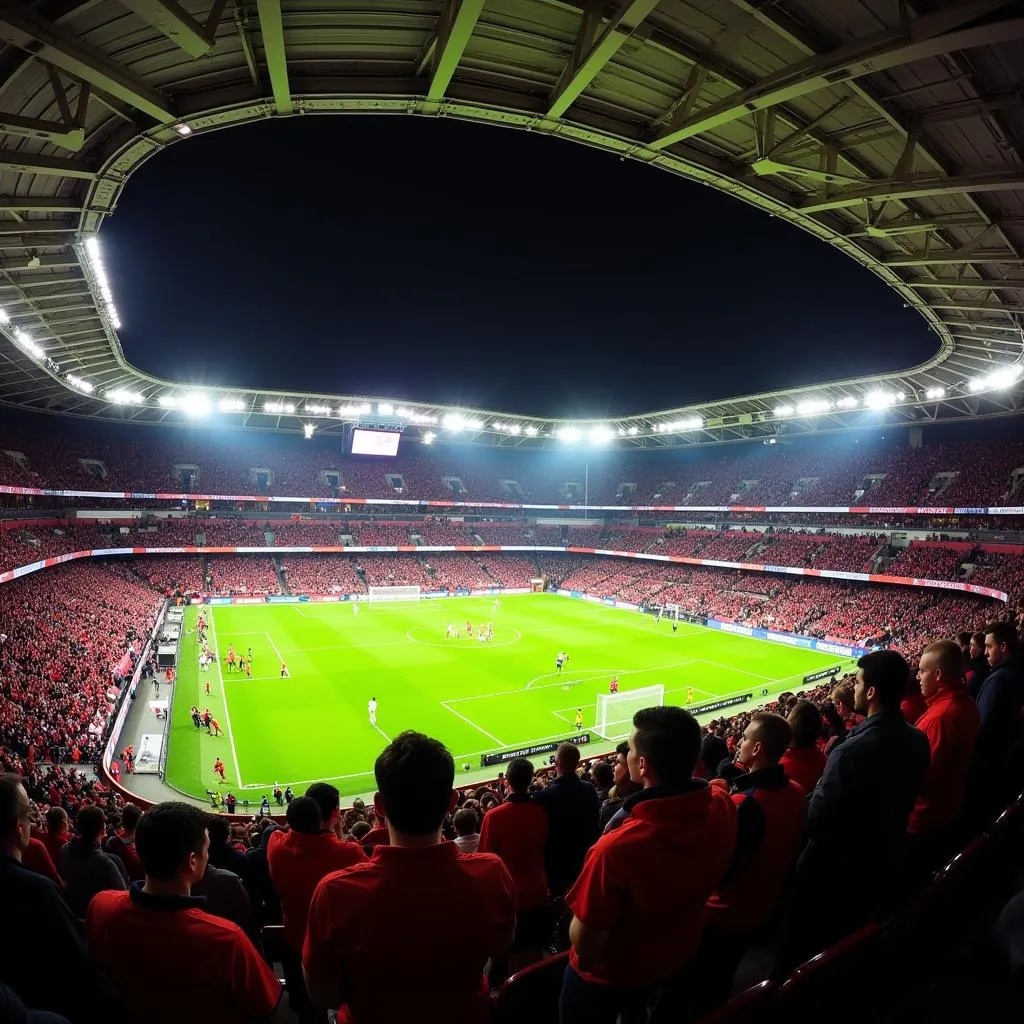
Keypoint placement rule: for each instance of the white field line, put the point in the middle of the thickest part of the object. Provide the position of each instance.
(273, 647)
(469, 721)
(223, 690)
(382, 732)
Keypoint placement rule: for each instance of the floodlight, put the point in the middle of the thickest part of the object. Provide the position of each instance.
(307, 429)
(878, 399)
(405, 414)
(531, 431)
(600, 435)
(4, 318)
(196, 405)
(900, 396)
(454, 421)
(1003, 377)
(92, 249)
(231, 405)
(568, 434)
(183, 130)
(935, 393)
(279, 407)
(633, 431)
(122, 397)
(812, 406)
(784, 410)
(385, 409)
(473, 424)
(79, 384)
(514, 429)
(428, 437)
(316, 409)
(168, 401)
(848, 402)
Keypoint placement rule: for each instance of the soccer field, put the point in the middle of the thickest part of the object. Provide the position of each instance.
(476, 697)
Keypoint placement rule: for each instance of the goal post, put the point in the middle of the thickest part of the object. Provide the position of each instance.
(377, 595)
(615, 711)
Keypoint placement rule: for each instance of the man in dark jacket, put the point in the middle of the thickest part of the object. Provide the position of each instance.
(572, 808)
(977, 664)
(84, 865)
(858, 812)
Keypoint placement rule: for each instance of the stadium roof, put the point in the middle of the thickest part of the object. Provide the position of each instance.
(896, 136)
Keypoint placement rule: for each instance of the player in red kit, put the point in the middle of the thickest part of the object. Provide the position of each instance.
(613, 686)
(218, 768)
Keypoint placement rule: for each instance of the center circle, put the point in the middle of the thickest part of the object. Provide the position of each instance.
(503, 636)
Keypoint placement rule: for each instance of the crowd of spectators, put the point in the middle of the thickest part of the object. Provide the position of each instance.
(241, 574)
(321, 574)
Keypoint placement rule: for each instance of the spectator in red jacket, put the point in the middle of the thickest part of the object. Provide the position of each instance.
(406, 935)
(57, 832)
(123, 843)
(951, 723)
(804, 761)
(639, 902)
(771, 810)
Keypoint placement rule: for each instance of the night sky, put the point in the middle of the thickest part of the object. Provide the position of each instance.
(427, 259)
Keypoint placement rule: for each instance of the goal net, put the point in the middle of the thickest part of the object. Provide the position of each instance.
(378, 594)
(615, 711)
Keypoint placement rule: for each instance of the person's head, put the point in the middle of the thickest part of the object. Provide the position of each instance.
(881, 682)
(843, 698)
(941, 666)
(977, 648)
(603, 776)
(805, 722)
(15, 815)
(414, 776)
(328, 799)
(359, 829)
(173, 843)
(832, 720)
(663, 747)
(89, 823)
(567, 759)
(519, 774)
(1000, 642)
(466, 822)
(621, 767)
(131, 815)
(219, 830)
(963, 641)
(303, 815)
(56, 821)
(765, 739)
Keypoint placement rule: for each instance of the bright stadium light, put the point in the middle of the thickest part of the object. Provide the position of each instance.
(879, 399)
(4, 318)
(848, 402)
(120, 396)
(784, 410)
(354, 410)
(231, 405)
(316, 409)
(168, 401)
(92, 249)
(183, 130)
(385, 409)
(1003, 377)
(454, 421)
(474, 424)
(196, 405)
(515, 429)
(428, 437)
(935, 393)
(633, 431)
(812, 406)
(279, 407)
(79, 384)
(600, 435)
(308, 429)
(531, 430)
(406, 414)
(570, 435)
(24, 341)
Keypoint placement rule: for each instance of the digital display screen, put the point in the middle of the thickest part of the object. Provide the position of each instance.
(375, 442)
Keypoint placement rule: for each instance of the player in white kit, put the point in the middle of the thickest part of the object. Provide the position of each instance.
(372, 709)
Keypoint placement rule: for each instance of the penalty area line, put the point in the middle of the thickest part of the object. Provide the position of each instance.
(469, 721)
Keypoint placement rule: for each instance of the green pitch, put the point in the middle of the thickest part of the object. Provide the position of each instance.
(476, 697)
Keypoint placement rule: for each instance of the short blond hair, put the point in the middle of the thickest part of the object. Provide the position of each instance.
(949, 656)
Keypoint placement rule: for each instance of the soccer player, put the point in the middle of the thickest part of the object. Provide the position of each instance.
(579, 719)
(675, 625)
(207, 687)
(657, 618)
(689, 695)
(469, 628)
(372, 710)
(248, 669)
(355, 606)
(284, 670)
(249, 659)
(218, 769)
(452, 632)
(613, 686)
(560, 661)
(496, 605)
(215, 727)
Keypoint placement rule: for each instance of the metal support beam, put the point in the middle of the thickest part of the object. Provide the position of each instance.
(765, 167)
(57, 134)
(927, 36)
(587, 60)
(272, 30)
(951, 259)
(977, 307)
(46, 204)
(23, 28)
(169, 18)
(24, 264)
(974, 284)
(884, 191)
(458, 19)
(55, 166)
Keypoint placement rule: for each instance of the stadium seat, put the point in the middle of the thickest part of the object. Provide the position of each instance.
(843, 967)
(755, 1005)
(530, 996)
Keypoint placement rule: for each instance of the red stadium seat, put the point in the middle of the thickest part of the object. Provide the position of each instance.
(754, 1006)
(530, 996)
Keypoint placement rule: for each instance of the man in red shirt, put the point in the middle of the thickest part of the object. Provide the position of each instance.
(57, 833)
(517, 831)
(123, 844)
(951, 723)
(226, 980)
(770, 835)
(638, 905)
(406, 935)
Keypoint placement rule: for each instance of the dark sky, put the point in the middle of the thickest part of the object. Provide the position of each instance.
(427, 259)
